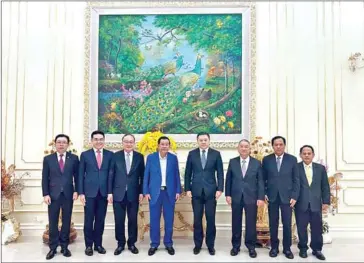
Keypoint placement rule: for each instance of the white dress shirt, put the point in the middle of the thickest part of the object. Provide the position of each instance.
(280, 156)
(163, 163)
(63, 157)
(101, 152)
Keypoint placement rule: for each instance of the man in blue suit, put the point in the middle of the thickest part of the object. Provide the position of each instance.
(282, 184)
(162, 188)
(60, 170)
(93, 183)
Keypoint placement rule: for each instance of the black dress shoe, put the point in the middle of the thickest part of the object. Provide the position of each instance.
(273, 252)
(88, 251)
(196, 250)
(211, 251)
(51, 254)
(118, 250)
(303, 254)
(170, 250)
(152, 251)
(288, 254)
(100, 249)
(234, 251)
(252, 253)
(133, 249)
(66, 252)
(318, 255)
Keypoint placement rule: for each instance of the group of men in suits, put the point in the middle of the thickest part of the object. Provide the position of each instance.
(121, 179)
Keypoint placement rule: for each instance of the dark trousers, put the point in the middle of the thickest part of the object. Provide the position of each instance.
(303, 218)
(163, 203)
(55, 237)
(237, 207)
(95, 213)
(199, 204)
(120, 210)
(286, 214)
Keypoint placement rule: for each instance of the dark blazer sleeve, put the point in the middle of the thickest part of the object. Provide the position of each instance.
(81, 174)
(261, 184)
(228, 181)
(220, 173)
(325, 187)
(75, 172)
(141, 174)
(110, 179)
(178, 178)
(45, 177)
(147, 176)
(188, 173)
(295, 180)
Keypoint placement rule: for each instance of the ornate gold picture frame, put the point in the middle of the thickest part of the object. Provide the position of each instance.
(248, 87)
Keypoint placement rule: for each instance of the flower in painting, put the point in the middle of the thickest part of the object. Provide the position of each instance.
(217, 121)
(229, 113)
(230, 124)
(222, 118)
(184, 100)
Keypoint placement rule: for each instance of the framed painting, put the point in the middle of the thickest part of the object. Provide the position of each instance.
(178, 67)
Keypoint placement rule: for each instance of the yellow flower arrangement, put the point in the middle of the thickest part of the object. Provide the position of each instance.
(149, 143)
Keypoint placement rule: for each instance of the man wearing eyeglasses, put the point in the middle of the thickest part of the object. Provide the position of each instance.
(125, 192)
(60, 170)
(93, 180)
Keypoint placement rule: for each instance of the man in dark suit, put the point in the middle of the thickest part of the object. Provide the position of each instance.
(244, 189)
(282, 186)
(93, 180)
(125, 192)
(314, 195)
(203, 165)
(60, 170)
(162, 188)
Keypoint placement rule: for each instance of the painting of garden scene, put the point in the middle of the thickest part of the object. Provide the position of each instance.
(180, 74)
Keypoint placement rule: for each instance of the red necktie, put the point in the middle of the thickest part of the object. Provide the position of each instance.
(61, 162)
(98, 158)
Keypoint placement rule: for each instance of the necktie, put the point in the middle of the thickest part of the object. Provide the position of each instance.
(203, 159)
(279, 163)
(127, 162)
(243, 168)
(98, 158)
(308, 171)
(61, 162)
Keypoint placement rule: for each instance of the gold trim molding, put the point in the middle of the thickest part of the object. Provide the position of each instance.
(227, 144)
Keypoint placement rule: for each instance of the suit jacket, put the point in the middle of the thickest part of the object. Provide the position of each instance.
(153, 177)
(198, 179)
(91, 178)
(316, 194)
(54, 181)
(286, 182)
(251, 187)
(119, 179)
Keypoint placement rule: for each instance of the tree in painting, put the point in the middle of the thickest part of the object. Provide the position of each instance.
(180, 74)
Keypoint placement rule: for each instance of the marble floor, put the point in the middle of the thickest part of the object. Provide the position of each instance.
(31, 249)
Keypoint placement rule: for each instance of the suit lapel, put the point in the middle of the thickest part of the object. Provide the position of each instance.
(122, 161)
(283, 162)
(248, 168)
(67, 162)
(302, 170)
(55, 160)
(208, 158)
(314, 174)
(133, 163)
(158, 164)
(168, 164)
(198, 157)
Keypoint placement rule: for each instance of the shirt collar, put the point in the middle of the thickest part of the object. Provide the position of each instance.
(64, 154)
(206, 150)
(246, 159)
(280, 156)
(126, 153)
(95, 151)
(162, 158)
(307, 165)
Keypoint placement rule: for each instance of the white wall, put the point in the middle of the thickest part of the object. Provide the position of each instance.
(305, 92)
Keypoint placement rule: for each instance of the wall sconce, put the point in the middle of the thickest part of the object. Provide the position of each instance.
(356, 61)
